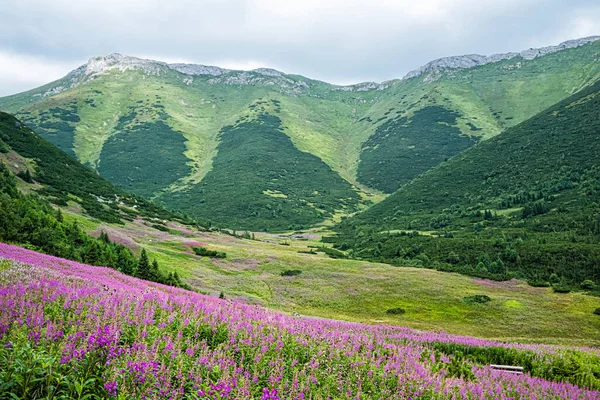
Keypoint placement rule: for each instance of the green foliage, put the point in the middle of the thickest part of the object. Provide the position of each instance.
(144, 158)
(396, 311)
(26, 176)
(523, 204)
(587, 284)
(254, 160)
(63, 175)
(31, 221)
(560, 288)
(56, 126)
(478, 298)
(291, 272)
(33, 372)
(403, 148)
(331, 252)
(204, 252)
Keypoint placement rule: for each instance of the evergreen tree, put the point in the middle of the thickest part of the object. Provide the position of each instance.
(155, 274)
(104, 237)
(93, 255)
(26, 176)
(124, 262)
(143, 267)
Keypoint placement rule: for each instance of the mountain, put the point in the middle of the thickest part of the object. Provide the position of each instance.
(189, 136)
(522, 204)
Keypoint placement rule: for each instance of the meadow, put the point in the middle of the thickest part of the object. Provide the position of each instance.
(359, 291)
(74, 331)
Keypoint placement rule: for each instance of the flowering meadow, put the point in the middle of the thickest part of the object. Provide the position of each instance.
(69, 330)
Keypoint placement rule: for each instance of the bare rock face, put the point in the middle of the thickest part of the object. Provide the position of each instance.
(362, 87)
(197, 69)
(434, 69)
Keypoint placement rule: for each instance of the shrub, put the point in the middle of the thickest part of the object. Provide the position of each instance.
(597, 311)
(160, 227)
(396, 311)
(333, 253)
(291, 272)
(560, 288)
(478, 298)
(204, 252)
(538, 283)
(588, 284)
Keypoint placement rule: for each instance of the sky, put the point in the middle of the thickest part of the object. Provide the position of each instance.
(337, 41)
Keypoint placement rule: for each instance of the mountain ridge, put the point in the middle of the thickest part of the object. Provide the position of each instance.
(433, 69)
(467, 61)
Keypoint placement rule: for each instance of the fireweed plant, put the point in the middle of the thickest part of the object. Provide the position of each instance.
(69, 330)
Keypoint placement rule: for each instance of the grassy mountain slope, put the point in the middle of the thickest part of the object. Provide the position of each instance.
(375, 136)
(524, 203)
(62, 179)
(260, 181)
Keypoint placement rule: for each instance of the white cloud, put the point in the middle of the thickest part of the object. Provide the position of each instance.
(19, 71)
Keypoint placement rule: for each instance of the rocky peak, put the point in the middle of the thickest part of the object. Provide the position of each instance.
(98, 65)
(434, 69)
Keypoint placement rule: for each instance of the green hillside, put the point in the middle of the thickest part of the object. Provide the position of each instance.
(260, 181)
(523, 204)
(63, 180)
(155, 129)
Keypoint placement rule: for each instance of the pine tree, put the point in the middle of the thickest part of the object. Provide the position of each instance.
(93, 255)
(124, 262)
(143, 267)
(155, 272)
(104, 237)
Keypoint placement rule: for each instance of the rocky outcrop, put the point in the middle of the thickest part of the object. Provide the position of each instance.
(197, 69)
(434, 69)
(362, 87)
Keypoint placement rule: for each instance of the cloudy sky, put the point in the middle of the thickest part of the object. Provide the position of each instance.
(339, 41)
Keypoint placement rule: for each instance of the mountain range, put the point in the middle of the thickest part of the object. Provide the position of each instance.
(265, 150)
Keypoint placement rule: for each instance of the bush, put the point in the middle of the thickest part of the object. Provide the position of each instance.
(204, 252)
(588, 284)
(597, 311)
(160, 227)
(333, 253)
(478, 298)
(396, 311)
(538, 283)
(559, 288)
(291, 272)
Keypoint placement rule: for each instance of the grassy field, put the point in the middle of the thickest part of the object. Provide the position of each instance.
(360, 291)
